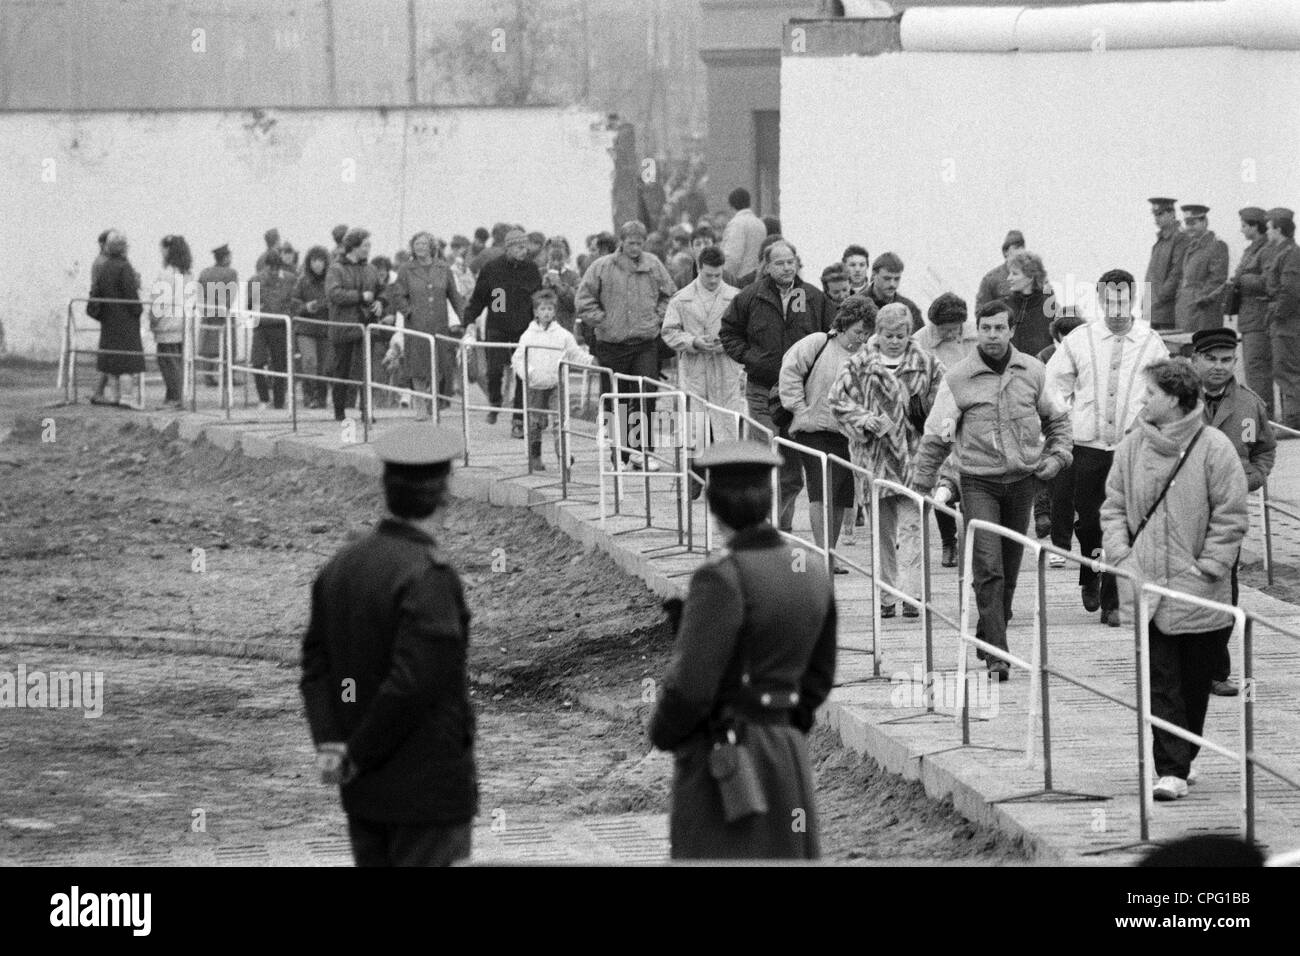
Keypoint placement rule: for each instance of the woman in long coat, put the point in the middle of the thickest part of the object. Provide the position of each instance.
(119, 323)
(423, 289)
(754, 658)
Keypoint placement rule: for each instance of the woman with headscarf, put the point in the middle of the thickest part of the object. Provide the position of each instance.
(881, 400)
(753, 660)
(121, 349)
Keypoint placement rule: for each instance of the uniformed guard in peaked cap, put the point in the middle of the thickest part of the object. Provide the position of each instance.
(420, 444)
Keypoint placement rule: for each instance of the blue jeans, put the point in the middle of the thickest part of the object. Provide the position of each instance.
(996, 560)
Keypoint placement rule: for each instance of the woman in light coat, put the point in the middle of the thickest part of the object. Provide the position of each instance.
(174, 302)
(1189, 543)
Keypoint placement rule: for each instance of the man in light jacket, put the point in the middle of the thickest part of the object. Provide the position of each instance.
(742, 240)
(1099, 370)
(623, 298)
(691, 329)
(1188, 543)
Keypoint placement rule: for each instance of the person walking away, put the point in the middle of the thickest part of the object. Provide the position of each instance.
(1161, 284)
(1198, 303)
(1282, 285)
(949, 335)
(743, 237)
(994, 285)
(809, 373)
(763, 321)
(881, 400)
(1100, 373)
(1009, 428)
(390, 625)
(311, 334)
(1184, 535)
(542, 347)
(174, 303)
(352, 289)
(275, 285)
(624, 298)
(692, 328)
(121, 349)
(753, 659)
(1032, 304)
(1247, 299)
(1239, 413)
(505, 288)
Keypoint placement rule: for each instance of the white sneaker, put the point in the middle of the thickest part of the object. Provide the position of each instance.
(1056, 560)
(262, 406)
(1170, 788)
(648, 462)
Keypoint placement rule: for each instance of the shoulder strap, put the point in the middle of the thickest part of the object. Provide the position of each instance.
(808, 374)
(1168, 484)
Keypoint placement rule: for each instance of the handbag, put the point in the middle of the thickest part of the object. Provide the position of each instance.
(780, 415)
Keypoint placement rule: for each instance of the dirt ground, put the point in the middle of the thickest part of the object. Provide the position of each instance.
(100, 530)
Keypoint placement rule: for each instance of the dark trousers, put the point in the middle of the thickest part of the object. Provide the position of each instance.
(498, 360)
(1091, 466)
(631, 358)
(210, 333)
(169, 365)
(408, 844)
(790, 476)
(996, 562)
(540, 418)
(948, 524)
(1286, 372)
(1257, 357)
(348, 359)
(1181, 667)
(1223, 661)
(1062, 491)
(269, 344)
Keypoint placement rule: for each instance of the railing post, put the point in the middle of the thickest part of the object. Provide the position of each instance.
(228, 371)
(526, 384)
(291, 384)
(1248, 723)
(70, 385)
(365, 384)
(564, 430)
(876, 625)
(1268, 536)
(1043, 677)
(465, 352)
(967, 543)
(1143, 703)
(927, 626)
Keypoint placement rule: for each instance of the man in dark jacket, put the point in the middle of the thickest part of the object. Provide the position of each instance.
(219, 287)
(886, 274)
(1199, 301)
(994, 284)
(1166, 262)
(1246, 299)
(758, 328)
(505, 287)
(1282, 285)
(384, 670)
(352, 288)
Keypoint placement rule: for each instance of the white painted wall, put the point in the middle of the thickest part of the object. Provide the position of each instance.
(221, 177)
(937, 155)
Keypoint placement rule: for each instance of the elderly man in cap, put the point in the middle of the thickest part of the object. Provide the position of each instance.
(1248, 301)
(1163, 269)
(753, 660)
(384, 669)
(1240, 414)
(1199, 301)
(218, 291)
(505, 288)
(623, 299)
(1282, 285)
(994, 285)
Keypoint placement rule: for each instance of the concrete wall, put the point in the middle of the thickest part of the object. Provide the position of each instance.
(218, 177)
(937, 155)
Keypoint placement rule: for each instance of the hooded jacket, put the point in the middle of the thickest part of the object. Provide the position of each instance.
(1192, 539)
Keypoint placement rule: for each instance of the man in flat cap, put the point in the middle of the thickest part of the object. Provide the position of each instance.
(1240, 414)
(753, 660)
(994, 285)
(1163, 269)
(384, 669)
(1248, 301)
(1199, 301)
(219, 288)
(1282, 286)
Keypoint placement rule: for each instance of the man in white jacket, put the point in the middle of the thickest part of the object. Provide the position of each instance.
(539, 368)
(691, 328)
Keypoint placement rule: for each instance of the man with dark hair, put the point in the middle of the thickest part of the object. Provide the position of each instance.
(1239, 413)
(886, 273)
(743, 236)
(772, 225)
(1199, 301)
(1161, 289)
(835, 283)
(994, 285)
(623, 298)
(857, 264)
(505, 288)
(760, 325)
(337, 233)
(1099, 370)
(999, 466)
(1282, 285)
(272, 240)
(494, 251)
(385, 678)
(1248, 301)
